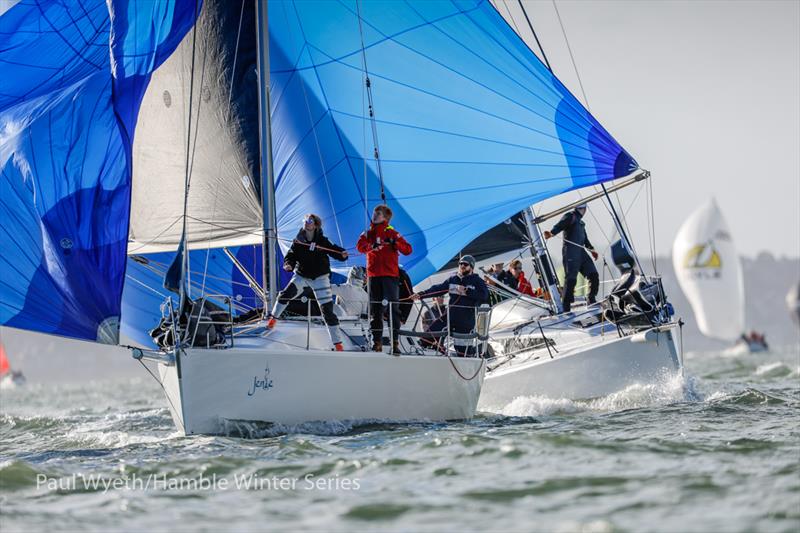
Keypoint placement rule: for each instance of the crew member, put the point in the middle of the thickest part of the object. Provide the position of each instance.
(308, 259)
(383, 244)
(575, 255)
(467, 291)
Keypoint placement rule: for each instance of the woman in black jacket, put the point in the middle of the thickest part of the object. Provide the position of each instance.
(308, 259)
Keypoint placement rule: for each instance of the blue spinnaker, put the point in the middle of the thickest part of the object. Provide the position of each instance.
(211, 274)
(72, 75)
(471, 126)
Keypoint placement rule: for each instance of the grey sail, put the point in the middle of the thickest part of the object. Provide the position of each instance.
(224, 205)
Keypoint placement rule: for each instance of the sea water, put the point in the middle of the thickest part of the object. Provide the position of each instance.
(715, 450)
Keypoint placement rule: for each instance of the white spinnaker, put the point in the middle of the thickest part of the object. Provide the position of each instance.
(709, 272)
(224, 207)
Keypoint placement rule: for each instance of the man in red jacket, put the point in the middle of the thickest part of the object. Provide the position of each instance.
(382, 244)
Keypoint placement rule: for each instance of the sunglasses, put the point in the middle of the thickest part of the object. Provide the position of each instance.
(309, 221)
(464, 264)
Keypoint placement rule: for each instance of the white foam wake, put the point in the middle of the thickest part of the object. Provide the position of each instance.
(672, 390)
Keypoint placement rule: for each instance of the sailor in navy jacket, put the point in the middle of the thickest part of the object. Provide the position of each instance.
(467, 291)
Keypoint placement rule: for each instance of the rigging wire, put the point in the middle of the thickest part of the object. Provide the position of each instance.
(547, 64)
(219, 170)
(367, 218)
(621, 222)
(185, 258)
(571, 56)
(510, 16)
(538, 43)
(651, 227)
(368, 83)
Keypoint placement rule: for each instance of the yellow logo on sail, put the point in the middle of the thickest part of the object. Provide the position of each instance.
(702, 256)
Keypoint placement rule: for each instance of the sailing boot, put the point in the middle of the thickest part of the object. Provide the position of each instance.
(396, 347)
(594, 285)
(377, 346)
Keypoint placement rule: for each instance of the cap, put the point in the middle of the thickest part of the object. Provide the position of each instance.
(468, 259)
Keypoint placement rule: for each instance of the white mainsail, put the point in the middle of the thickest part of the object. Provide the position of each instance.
(709, 272)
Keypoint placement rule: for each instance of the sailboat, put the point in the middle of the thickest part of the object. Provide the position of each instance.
(205, 133)
(8, 377)
(710, 274)
(629, 338)
(793, 303)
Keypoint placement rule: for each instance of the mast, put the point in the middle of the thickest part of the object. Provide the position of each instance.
(269, 219)
(542, 258)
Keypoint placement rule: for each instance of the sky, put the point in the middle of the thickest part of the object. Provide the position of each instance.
(704, 94)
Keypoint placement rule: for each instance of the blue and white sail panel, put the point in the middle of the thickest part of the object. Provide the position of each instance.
(68, 105)
(471, 126)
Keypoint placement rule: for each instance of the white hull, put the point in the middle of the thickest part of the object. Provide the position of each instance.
(593, 370)
(219, 388)
(10, 381)
(744, 348)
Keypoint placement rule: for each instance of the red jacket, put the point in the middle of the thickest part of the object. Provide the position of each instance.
(381, 244)
(523, 285)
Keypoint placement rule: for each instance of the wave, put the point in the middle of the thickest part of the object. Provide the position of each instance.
(17, 475)
(672, 390)
(746, 397)
(777, 369)
(261, 430)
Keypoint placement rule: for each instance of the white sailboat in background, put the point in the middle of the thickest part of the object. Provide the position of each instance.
(793, 303)
(709, 272)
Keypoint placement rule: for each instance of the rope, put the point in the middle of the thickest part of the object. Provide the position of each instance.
(571, 56)
(376, 151)
(462, 376)
(651, 225)
(539, 44)
(318, 247)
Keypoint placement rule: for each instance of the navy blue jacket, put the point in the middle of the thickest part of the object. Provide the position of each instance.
(462, 314)
(574, 229)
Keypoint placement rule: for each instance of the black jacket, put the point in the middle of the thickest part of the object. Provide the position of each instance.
(462, 313)
(574, 229)
(310, 258)
(507, 278)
